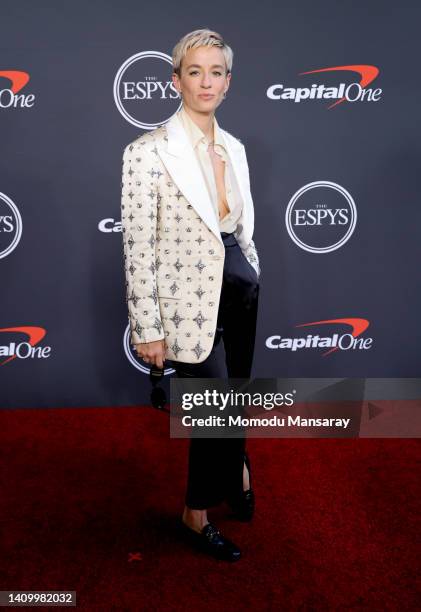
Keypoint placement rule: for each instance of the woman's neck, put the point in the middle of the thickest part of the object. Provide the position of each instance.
(203, 121)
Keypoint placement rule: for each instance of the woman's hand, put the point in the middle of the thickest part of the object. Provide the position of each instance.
(152, 352)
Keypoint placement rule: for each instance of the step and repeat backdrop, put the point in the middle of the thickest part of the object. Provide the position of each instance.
(324, 96)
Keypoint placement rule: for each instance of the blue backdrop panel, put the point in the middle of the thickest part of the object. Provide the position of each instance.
(325, 97)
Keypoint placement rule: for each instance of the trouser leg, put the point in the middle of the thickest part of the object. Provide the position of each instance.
(215, 466)
(207, 456)
(237, 319)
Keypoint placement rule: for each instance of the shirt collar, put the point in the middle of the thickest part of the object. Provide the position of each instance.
(195, 133)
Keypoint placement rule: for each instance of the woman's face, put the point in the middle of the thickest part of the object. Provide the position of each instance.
(203, 79)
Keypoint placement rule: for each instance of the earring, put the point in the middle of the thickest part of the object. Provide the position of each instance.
(225, 94)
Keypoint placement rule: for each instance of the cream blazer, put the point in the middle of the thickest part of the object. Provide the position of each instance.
(173, 251)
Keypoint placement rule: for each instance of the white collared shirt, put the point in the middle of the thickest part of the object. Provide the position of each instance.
(232, 196)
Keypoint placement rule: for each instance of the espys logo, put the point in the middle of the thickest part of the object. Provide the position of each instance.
(10, 225)
(10, 96)
(353, 92)
(321, 217)
(134, 359)
(143, 93)
(25, 349)
(350, 340)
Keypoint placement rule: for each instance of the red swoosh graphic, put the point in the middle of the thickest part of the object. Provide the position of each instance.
(35, 335)
(19, 79)
(358, 327)
(367, 73)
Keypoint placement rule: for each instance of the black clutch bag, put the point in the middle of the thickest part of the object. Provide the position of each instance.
(158, 395)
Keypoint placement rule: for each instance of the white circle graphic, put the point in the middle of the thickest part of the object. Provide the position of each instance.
(347, 235)
(116, 89)
(18, 232)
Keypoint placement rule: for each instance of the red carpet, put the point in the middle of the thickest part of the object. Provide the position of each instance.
(91, 500)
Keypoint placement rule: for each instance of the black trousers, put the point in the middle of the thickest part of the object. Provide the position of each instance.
(215, 470)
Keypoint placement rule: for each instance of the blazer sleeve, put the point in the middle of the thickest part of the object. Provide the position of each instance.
(139, 212)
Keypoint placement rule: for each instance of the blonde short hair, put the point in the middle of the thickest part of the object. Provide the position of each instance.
(199, 38)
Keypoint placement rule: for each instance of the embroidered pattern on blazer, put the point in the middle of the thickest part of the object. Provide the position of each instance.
(173, 259)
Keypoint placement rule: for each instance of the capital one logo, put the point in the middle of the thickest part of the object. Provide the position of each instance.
(10, 225)
(15, 81)
(134, 359)
(143, 90)
(12, 346)
(347, 336)
(357, 91)
(109, 225)
(321, 217)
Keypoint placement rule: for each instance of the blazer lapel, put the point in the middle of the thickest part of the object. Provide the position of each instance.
(181, 163)
(239, 165)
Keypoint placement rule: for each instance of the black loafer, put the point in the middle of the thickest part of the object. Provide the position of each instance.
(243, 505)
(211, 541)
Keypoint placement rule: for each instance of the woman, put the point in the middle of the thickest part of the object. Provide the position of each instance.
(192, 270)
